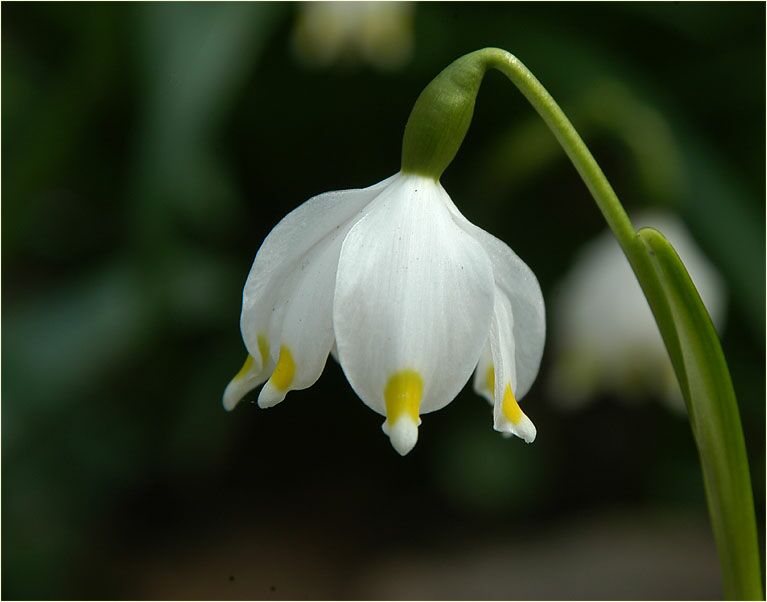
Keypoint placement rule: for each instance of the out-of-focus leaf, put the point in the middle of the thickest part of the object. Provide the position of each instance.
(195, 57)
(46, 128)
(64, 341)
(607, 109)
(705, 381)
(715, 203)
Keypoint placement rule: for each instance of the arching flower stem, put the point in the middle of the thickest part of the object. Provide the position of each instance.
(435, 130)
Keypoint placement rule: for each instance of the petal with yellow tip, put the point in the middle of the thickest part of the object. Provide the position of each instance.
(287, 252)
(414, 294)
(402, 396)
(508, 417)
(516, 281)
(302, 325)
(281, 380)
(250, 375)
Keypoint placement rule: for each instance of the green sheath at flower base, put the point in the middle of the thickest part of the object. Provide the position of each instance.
(441, 117)
(434, 132)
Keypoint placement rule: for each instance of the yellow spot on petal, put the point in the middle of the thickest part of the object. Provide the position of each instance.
(511, 409)
(263, 348)
(283, 374)
(245, 368)
(490, 379)
(403, 395)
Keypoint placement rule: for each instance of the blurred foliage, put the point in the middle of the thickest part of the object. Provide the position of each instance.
(149, 148)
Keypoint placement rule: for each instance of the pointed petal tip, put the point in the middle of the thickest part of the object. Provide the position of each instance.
(403, 434)
(524, 429)
(270, 396)
(237, 388)
(247, 379)
(231, 397)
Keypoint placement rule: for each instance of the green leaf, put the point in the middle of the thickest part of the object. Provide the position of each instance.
(704, 378)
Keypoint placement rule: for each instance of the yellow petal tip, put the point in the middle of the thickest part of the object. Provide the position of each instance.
(284, 371)
(512, 420)
(403, 394)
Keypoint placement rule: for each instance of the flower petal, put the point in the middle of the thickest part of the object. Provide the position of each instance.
(413, 300)
(484, 375)
(507, 415)
(248, 378)
(520, 286)
(302, 325)
(274, 274)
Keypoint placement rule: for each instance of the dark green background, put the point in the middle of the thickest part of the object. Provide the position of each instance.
(147, 151)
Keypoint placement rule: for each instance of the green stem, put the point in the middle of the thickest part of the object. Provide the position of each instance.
(571, 142)
(732, 511)
(434, 132)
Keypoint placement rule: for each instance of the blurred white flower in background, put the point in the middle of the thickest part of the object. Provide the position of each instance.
(604, 335)
(377, 33)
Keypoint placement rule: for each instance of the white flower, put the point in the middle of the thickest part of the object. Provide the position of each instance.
(606, 338)
(412, 295)
(379, 33)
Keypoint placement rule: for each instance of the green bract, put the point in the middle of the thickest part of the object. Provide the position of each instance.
(441, 117)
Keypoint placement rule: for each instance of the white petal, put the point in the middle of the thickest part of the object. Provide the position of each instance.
(247, 379)
(484, 379)
(273, 276)
(413, 300)
(507, 415)
(520, 285)
(302, 325)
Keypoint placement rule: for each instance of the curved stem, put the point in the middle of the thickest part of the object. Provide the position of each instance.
(571, 142)
(714, 418)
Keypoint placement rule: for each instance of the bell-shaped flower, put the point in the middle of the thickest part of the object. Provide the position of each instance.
(407, 294)
(605, 335)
